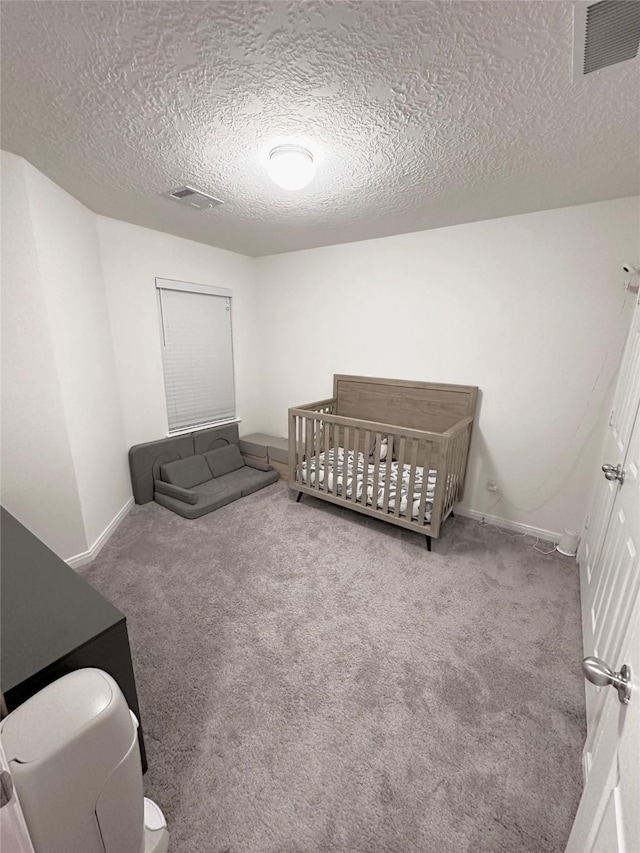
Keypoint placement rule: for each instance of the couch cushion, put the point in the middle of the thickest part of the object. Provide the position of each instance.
(209, 439)
(186, 473)
(279, 450)
(142, 459)
(249, 480)
(255, 444)
(224, 460)
(207, 501)
(216, 489)
(177, 492)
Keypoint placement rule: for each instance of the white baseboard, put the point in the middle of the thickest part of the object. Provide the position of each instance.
(92, 553)
(517, 526)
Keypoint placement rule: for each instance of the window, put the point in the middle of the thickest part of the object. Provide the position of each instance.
(197, 353)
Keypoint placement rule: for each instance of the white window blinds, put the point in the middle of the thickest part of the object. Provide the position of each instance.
(197, 353)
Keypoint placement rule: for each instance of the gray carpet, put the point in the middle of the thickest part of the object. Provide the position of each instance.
(311, 680)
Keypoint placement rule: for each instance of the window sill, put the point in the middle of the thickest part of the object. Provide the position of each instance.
(187, 430)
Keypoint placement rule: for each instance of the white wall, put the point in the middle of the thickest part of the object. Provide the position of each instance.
(67, 247)
(64, 456)
(529, 308)
(132, 258)
(38, 479)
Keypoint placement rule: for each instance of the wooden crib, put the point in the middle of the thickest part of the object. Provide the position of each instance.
(389, 448)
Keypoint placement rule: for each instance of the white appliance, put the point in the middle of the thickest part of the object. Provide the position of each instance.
(74, 758)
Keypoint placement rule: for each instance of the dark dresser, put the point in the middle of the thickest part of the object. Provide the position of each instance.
(54, 622)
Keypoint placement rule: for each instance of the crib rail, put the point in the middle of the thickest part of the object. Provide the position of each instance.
(326, 406)
(314, 429)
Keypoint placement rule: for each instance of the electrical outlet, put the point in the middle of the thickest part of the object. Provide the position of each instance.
(492, 485)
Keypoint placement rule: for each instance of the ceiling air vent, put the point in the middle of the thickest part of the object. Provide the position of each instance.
(194, 198)
(605, 33)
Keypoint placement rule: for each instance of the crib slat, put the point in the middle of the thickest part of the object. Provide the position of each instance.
(455, 480)
(441, 465)
(318, 426)
(464, 443)
(387, 476)
(425, 480)
(299, 447)
(309, 427)
(463, 458)
(365, 466)
(345, 462)
(450, 466)
(327, 430)
(445, 490)
(336, 444)
(412, 478)
(399, 477)
(291, 446)
(293, 451)
(308, 431)
(354, 469)
(463, 463)
(376, 471)
(452, 473)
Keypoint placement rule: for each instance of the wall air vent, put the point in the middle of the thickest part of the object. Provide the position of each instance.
(194, 198)
(604, 33)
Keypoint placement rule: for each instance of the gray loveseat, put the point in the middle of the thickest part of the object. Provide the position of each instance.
(197, 473)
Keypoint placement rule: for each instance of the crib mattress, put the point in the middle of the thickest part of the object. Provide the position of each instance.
(317, 468)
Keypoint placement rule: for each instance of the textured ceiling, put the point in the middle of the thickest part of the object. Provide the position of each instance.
(421, 114)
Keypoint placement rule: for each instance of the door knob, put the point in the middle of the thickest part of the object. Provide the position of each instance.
(597, 672)
(613, 472)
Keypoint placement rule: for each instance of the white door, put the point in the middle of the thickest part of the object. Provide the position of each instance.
(607, 820)
(594, 580)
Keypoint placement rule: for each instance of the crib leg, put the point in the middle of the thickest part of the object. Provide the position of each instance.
(299, 498)
(452, 514)
(428, 543)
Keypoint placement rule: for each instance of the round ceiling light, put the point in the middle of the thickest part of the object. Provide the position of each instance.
(291, 166)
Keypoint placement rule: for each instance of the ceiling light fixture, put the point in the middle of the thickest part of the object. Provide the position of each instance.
(291, 166)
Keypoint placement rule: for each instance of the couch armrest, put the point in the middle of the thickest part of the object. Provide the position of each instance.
(255, 463)
(177, 492)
